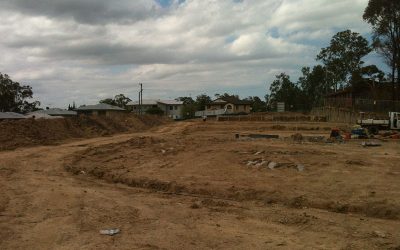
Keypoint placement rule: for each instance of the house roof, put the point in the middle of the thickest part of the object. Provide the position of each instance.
(144, 102)
(42, 116)
(101, 106)
(171, 102)
(340, 92)
(11, 115)
(231, 100)
(155, 102)
(56, 112)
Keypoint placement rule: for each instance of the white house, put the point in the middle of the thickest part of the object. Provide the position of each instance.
(171, 108)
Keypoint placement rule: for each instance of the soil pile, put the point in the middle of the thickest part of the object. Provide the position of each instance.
(28, 132)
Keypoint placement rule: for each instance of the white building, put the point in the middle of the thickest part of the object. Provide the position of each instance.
(171, 108)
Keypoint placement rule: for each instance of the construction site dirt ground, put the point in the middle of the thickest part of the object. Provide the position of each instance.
(194, 185)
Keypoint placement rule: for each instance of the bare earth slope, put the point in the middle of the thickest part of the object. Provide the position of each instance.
(189, 185)
(29, 132)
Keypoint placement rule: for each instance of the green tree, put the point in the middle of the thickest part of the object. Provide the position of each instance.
(73, 107)
(186, 100)
(189, 107)
(119, 100)
(384, 17)
(313, 86)
(368, 76)
(14, 97)
(202, 101)
(343, 56)
(257, 105)
(227, 96)
(283, 90)
(109, 101)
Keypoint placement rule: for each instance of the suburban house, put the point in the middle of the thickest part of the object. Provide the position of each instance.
(101, 109)
(55, 112)
(230, 105)
(374, 97)
(11, 116)
(171, 108)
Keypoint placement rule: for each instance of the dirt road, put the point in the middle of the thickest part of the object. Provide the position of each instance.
(188, 186)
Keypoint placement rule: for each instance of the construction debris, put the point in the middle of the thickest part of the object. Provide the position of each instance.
(379, 234)
(263, 136)
(359, 133)
(300, 167)
(110, 232)
(272, 165)
(371, 144)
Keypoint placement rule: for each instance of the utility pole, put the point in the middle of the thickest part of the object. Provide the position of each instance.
(138, 112)
(140, 98)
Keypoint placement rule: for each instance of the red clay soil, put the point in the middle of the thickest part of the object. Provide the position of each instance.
(28, 132)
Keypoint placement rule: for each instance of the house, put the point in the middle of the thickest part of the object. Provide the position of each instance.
(231, 105)
(55, 112)
(146, 104)
(11, 116)
(171, 108)
(101, 109)
(370, 97)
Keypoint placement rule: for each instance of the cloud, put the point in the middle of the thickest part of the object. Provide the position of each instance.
(83, 50)
(86, 11)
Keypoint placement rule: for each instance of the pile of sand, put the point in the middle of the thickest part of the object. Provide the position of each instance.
(27, 132)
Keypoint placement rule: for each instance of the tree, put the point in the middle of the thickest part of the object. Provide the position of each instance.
(73, 107)
(189, 107)
(202, 101)
(283, 90)
(343, 56)
(313, 86)
(186, 100)
(257, 105)
(368, 76)
(13, 96)
(227, 96)
(109, 101)
(119, 100)
(384, 17)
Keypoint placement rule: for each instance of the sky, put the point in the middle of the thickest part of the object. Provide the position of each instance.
(83, 51)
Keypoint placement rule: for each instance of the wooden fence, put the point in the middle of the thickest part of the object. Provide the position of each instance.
(336, 114)
(272, 118)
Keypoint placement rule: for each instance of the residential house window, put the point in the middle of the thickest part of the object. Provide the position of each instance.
(176, 107)
(171, 107)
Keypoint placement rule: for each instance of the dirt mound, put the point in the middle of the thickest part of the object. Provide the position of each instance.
(29, 132)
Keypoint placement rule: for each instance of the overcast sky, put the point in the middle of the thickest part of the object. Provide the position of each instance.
(87, 50)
